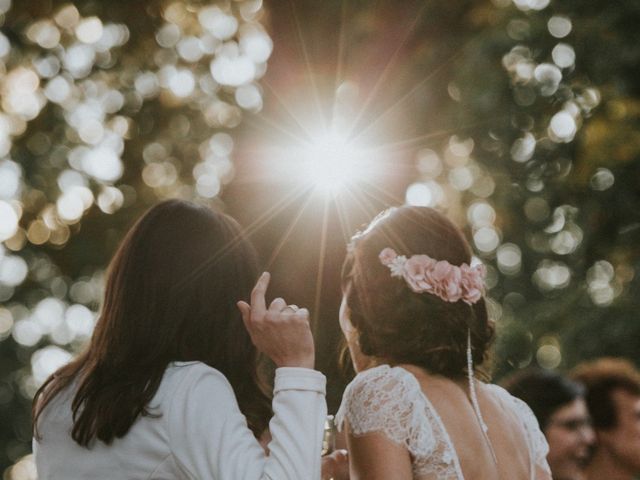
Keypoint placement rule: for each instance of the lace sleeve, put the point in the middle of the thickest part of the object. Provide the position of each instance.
(383, 400)
(537, 441)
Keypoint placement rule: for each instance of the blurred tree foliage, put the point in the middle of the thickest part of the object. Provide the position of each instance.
(107, 107)
(518, 118)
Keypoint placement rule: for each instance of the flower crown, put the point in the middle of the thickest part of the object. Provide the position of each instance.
(449, 282)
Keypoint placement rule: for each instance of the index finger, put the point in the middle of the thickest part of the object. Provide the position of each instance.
(258, 304)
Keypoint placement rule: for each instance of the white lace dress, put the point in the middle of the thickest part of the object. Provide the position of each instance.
(390, 401)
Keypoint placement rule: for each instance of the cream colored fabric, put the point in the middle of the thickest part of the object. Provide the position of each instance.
(394, 402)
(201, 433)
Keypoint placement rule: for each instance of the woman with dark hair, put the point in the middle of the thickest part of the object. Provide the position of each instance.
(416, 324)
(169, 386)
(559, 405)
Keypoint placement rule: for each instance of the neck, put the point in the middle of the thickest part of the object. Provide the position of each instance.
(603, 465)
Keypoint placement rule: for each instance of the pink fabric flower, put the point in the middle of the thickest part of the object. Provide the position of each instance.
(446, 281)
(473, 282)
(453, 284)
(423, 274)
(395, 262)
(415, 273)
(387, 256)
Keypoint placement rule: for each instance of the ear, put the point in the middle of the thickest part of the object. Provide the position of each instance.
(345, 320)
(359, 360)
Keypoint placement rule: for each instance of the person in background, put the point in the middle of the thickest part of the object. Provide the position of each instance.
(168, 387)
(558, 404)
(613, 399)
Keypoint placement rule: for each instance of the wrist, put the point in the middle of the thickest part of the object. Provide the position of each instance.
(299, 378)
(307, 361)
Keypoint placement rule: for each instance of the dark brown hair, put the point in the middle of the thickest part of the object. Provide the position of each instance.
(601, 378)
(544, 391)
(170, 295)
(401, 326)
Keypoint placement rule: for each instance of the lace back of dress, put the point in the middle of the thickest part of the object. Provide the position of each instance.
(474, 397)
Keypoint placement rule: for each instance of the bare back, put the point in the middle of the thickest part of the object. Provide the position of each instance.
(393, 411)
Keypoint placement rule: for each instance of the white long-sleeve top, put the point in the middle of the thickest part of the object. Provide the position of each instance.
(201, 433)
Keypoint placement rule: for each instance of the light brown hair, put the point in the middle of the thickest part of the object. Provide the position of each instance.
(601, 378)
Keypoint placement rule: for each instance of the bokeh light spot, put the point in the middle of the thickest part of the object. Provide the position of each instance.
(486, 239)
(222, 25)
(110, 199)
(481, 214)
(80, 320)
(38, 233)
(89, 30)
(523, 148)
(256, 44)
(559, 26)
(509, 258)
(548, 356)
(27, 332)
(563, 127)
(249, 97)
(602, 180)
(182, 83)
(67, 17)
(419, 194)
(461, 178)
(8, 221)
(429, 163)
(46, 361)
(103, 164)
(44, 33)
(563, 55)
(23, 469)
(6, 322)
(548, 77)
(551, 275)
(233, 71)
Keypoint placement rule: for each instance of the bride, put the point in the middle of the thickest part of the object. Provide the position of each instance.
(416, 325)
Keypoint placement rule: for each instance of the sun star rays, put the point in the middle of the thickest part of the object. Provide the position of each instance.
(335, 160)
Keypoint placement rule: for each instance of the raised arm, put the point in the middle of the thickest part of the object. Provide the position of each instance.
(210, 437)
(210, 440)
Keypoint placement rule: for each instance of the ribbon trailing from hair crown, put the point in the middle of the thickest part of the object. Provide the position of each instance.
(424, 274)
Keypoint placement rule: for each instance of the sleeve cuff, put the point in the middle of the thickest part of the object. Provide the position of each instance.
(295, 378)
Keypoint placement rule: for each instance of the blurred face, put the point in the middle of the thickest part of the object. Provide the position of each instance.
(623, 441)
(570, 437)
